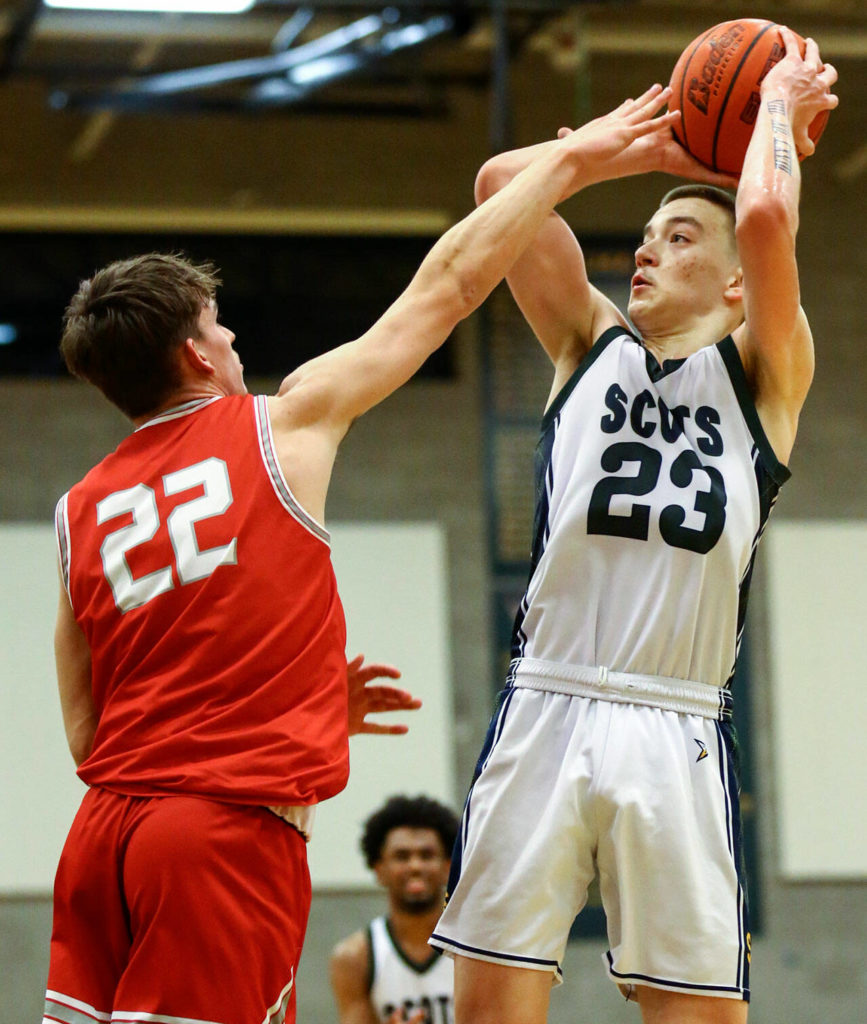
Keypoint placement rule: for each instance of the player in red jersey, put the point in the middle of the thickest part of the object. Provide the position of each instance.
(200, 638)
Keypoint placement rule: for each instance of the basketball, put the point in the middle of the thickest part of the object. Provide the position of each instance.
(715, 88)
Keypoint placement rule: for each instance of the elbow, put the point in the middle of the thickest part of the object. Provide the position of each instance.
(80, 739)
(460, 292)
(80, 750)
(493, 175)
(765, 215)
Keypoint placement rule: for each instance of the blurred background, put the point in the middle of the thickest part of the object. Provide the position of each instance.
(315, 152)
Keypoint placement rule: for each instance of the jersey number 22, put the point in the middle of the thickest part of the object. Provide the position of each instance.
(191, 564)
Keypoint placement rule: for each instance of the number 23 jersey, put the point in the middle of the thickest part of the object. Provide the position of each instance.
(209, 603)
(653, 486)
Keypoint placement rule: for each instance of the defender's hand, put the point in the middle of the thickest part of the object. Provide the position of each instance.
(611, 138)
(367, 700)
(657, 149)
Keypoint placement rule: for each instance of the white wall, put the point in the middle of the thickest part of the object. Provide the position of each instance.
(818, 618)
(393, 582)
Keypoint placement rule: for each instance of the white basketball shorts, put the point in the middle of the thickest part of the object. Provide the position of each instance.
(571, 786)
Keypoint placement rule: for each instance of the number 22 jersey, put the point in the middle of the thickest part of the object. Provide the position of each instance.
(653, 487)
(209, 603)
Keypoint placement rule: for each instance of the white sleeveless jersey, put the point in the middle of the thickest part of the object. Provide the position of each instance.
(653, 486)
(397, 981)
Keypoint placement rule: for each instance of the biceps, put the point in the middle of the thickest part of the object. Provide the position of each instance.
(552, 290)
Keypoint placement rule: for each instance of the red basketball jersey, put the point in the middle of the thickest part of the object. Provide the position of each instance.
(209, 602)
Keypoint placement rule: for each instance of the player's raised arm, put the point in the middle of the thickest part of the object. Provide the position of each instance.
(460, 271)
(549, 281)
(775, 342)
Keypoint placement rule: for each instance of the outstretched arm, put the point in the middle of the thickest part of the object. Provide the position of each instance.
(775, 342)
(549, 281)
(317, 403)
(462, 269)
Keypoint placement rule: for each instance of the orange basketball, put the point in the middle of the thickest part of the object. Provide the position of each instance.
(715, 86)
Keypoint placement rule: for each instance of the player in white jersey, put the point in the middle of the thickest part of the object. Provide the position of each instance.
(663, 447)
(387, 973)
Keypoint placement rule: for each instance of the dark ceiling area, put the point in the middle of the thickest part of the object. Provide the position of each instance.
(328, 119)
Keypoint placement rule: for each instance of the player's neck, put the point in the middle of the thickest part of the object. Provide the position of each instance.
(680, 340)
(679, 344)
(413, 930)
(180, 396)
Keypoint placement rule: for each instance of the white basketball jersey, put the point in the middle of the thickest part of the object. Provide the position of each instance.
(653, 486)
(396, 981)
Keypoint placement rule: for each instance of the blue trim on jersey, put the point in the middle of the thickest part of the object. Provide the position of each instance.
(512, 957)
(495, 730)
(671, 983)
(732, 360)
(768, 491)
(727, 752)
(371, 958)
(416, 967)
(596, 350)
(544, 471)
(655, 370)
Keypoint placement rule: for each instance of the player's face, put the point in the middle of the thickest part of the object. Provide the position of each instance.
(215, 342)
(413, 868)
(684, 268)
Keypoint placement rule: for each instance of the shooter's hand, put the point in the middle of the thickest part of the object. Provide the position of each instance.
(805, 84)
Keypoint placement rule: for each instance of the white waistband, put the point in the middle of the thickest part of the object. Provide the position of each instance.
(684, 696)
(300, 818)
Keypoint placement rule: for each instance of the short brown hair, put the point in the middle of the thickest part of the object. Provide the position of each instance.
(718, 196)
(124, 325)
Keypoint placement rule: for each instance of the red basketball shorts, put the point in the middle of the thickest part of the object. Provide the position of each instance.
(177, 910)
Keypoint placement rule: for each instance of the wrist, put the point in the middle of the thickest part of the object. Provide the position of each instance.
(773, 92)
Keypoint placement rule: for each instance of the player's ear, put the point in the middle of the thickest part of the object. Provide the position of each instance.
(734, 290)
(195, 358)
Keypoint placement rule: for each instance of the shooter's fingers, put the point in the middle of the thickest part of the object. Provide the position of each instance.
(811, 54)
(790, 41)
(828, 76)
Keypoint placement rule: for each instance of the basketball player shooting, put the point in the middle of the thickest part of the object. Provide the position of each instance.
(200, 639)
(663, 448)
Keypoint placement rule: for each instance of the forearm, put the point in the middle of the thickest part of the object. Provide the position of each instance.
(80, 732)
(770, 183)
(497, 172)
(479, 251)
(72, 658)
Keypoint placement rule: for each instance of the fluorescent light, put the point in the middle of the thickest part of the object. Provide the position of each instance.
(8, 333)
(173, 6)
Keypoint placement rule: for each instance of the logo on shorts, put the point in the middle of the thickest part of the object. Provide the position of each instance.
(702, 750)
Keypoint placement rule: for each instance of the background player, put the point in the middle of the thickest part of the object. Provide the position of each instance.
(388, 972)
(661, 456)
(200, 637)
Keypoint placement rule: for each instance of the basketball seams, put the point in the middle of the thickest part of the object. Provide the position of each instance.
(683, 79)
(715, 90)
(733, 81)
